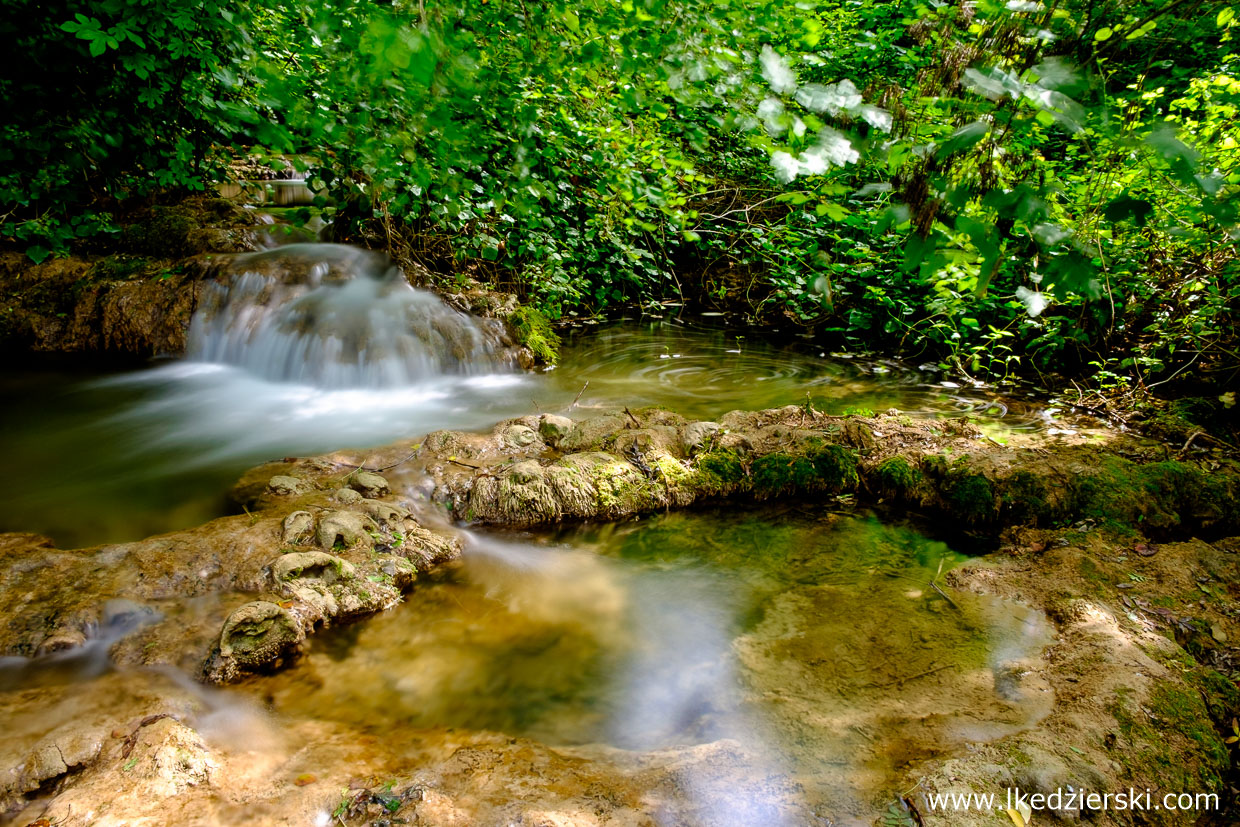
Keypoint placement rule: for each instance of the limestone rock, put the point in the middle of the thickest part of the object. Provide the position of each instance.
(554, 428)
(297, 529)
(698, 436)
(311, 564)
(385, 514)
(257, 636)
(517, 437)
(369, 484)
(178, 758)
(285, 486)
(347, 528)
(347, 496)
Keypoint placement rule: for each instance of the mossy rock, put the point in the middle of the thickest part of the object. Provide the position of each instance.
(970, 497)
(160, 231)
(897, 477)
(534, 330)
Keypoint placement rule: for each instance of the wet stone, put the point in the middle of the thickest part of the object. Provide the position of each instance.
(385, 513)
(347, 528)
(554, 428)
(256, 636)
(347, 496)
(286, 486)
(369, 484)
(519, 436)
(298, 528)
(311, 564)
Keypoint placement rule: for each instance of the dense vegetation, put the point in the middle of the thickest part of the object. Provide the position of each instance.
(1010, 187)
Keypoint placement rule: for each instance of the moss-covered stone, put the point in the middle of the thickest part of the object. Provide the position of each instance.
(1027, 498)
(831, 468)
(534, 330)
(971, 497)
(1160, 495)
(897, 477)
(721, 470)
(160, 231)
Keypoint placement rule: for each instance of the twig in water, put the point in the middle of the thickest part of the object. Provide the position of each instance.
(943, 594)
(630, 413)
(464, 464)
(577, 398)
(901, 681)
(934, 584)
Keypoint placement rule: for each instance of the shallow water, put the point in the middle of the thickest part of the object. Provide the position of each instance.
(814, 641)
(108, 458)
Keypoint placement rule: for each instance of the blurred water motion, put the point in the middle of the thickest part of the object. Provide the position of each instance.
(152, 451)
(816, 645)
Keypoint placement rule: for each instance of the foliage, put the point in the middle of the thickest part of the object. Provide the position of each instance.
(999, 186)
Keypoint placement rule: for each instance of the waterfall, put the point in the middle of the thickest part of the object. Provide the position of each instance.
(306, 348)
(335, 317)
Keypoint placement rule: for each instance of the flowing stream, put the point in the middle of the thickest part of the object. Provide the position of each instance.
(316, 347)
(810, 639)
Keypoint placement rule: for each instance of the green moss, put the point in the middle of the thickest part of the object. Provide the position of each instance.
(534, 330)
(897, 476)
(971, 497)
(829, 468)
(161, 231)
(720, 470)
(1160, 495)
(114, 268)
(670, 470)
(1171, 711)
(1185, 713)
(621, 489)
(1026, 498)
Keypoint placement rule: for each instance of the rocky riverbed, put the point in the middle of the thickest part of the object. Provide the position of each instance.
(1098, 538)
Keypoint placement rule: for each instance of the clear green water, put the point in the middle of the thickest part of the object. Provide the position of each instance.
(814, 640)
(90, 458)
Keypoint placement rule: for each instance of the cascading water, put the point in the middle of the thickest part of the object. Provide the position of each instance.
(335, 317)
(310, 347)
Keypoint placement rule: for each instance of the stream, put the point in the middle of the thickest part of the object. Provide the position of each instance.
(807, 637)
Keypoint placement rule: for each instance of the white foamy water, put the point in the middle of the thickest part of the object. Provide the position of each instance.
(335, 317)
(314, 347)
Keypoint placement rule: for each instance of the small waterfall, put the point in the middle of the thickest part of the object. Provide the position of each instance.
(336, 317)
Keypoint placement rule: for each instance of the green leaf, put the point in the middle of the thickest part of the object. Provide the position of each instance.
(833, 211)
(963, 138)
(37, 253)
(1126, 207)
(1225, 17)
(97, 47)
(1103, 34)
